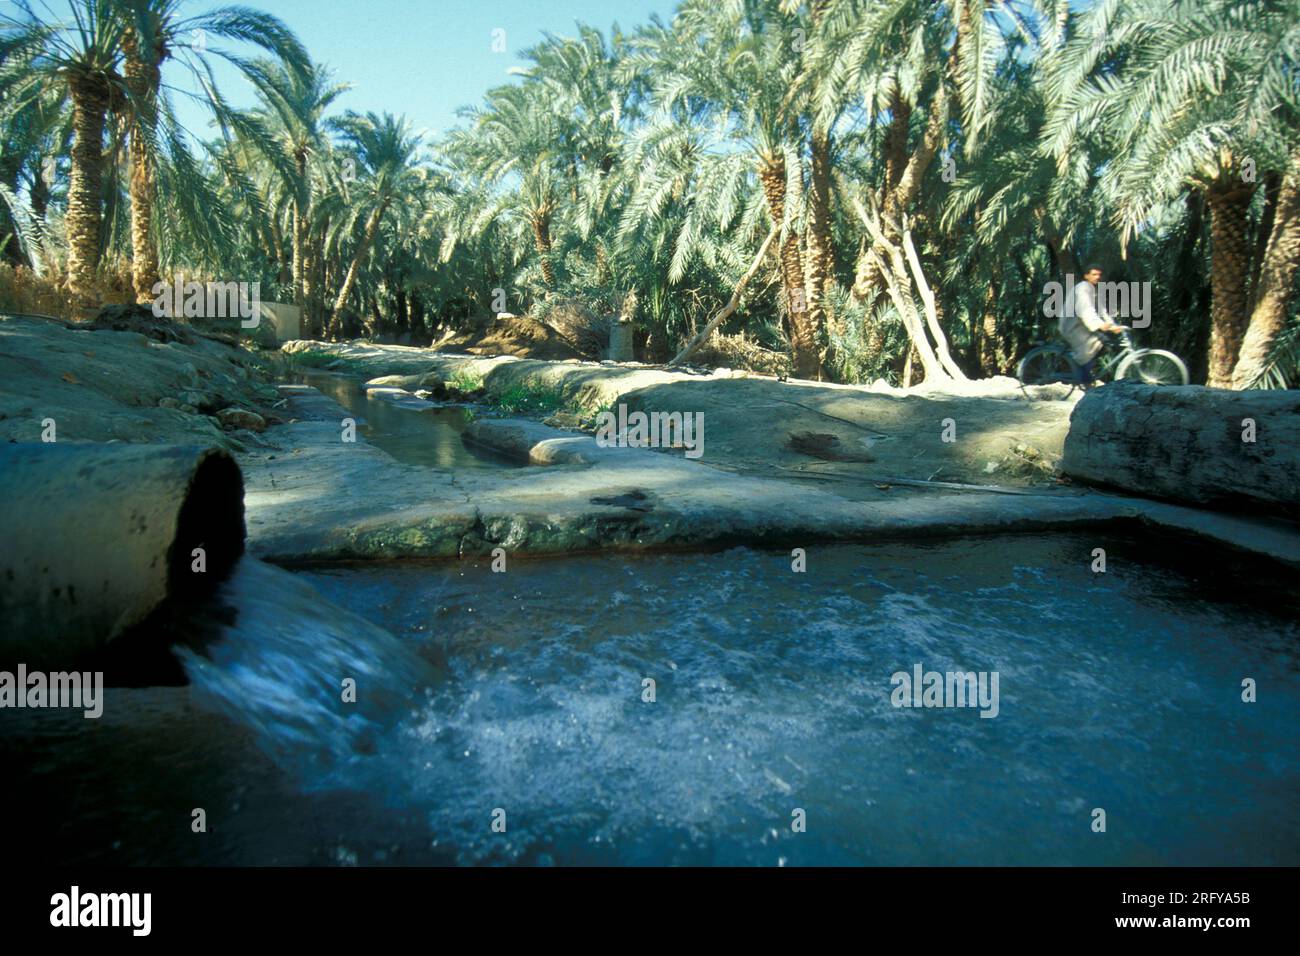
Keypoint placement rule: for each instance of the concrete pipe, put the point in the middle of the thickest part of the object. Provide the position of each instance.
(96, 537)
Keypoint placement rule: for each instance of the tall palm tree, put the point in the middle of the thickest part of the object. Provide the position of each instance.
(384, 149)
(517, 133)
(732, 64)
(156, 32)
(80, 59)
(289, 131)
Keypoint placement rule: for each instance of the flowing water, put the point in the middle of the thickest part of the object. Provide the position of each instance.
(524, 694)
(423, 436)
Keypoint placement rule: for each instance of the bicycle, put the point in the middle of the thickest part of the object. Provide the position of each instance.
(1052, 363)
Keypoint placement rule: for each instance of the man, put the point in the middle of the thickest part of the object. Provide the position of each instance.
(1081, 324)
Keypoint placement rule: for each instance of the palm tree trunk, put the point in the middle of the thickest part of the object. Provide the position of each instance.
(143, 78)
(1264, 234)
(299, 229)
(542, 240)
(898, 282)
(1276, 282)
(933, 311)
(84, 218)
(803, 339)
(819, 253)
(1229, 274)
(350, 280)
(820, 264)
(902, 183)
(311, 307)
(895, 141)
(991, 349)
(296, 253)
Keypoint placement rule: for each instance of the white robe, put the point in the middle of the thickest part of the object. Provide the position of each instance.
(1080, 328)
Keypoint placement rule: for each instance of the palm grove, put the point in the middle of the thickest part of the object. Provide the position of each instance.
(877, 188)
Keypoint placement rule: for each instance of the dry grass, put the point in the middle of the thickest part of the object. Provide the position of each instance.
(22, 291)
(580, 327)
(738, 352)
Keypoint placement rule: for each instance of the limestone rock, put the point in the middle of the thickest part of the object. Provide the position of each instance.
(1189, 443)
(241, 418)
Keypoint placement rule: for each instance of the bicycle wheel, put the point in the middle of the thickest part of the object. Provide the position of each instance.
(1153, 367)
(1047, 365)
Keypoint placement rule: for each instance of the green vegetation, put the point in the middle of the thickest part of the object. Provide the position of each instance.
(530, 398)
(919, 170)
(466, 382)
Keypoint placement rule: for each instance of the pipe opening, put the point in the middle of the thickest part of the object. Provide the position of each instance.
(211, 521)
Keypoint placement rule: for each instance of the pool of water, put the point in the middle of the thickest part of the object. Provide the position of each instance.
(426, 436)
(522, 696)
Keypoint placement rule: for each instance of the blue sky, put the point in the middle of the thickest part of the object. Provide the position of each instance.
(425, 58)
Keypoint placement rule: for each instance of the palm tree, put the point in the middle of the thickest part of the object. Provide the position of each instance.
(289, 132)
(155, 33)
(81, 60)
(384, 150)
(731, 64)
(595, 97)
(1198, 95)
(1272, 300)
(518, 134)
(908, 61)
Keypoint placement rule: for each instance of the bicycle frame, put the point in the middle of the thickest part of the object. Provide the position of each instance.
(1127, 348)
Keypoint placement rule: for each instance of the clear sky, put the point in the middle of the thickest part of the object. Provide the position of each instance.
(425, 58)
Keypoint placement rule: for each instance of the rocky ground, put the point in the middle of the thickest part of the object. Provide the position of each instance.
(855, 438)
(783, 463)
(168, 384)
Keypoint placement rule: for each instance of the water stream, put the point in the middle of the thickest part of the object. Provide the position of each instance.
(427, 436)
(524, 692)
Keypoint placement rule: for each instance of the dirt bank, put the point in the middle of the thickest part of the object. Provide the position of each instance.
(853, 437)
(83, 384)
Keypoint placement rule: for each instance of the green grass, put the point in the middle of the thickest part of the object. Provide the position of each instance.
(466, 381)
(530, 398)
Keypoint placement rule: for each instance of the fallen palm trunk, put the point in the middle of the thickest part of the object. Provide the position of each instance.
(98, 536)
(731, 305)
